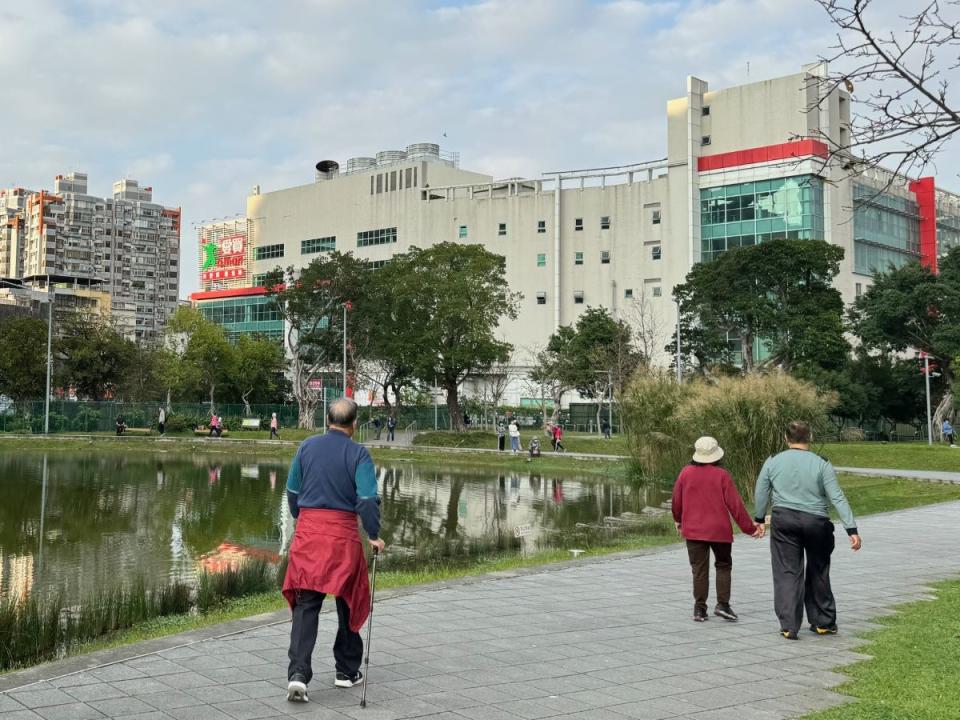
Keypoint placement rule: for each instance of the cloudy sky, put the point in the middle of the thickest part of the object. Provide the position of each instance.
(202, 99)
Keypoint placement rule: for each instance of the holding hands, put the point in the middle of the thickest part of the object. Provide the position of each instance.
(759, 530)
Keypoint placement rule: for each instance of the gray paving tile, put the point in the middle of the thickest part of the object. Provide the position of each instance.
(41, 695)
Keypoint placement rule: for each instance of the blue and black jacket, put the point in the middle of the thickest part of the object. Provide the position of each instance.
(332, 472)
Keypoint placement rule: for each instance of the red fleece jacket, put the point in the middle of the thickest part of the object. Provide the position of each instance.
(704, 498)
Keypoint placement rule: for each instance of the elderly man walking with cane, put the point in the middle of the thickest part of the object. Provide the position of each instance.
(331, 481)
(802, 486)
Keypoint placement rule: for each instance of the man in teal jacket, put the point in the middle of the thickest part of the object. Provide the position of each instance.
(802, 486)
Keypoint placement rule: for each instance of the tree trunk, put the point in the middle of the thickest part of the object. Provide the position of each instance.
(453, 406)
(599, 412)
(212, 388)
(746, 352)
(246, 403)
(307, 399)
(168, 401)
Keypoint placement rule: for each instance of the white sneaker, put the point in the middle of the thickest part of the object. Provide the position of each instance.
(343, 680)
(297, 691)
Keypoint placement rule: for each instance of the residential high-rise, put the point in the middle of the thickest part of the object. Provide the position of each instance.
(128, 242)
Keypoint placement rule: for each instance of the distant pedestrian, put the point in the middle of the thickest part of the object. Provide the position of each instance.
(121, 425)
(558, 438)
(801, 485)
(704, 499)
(378, 427)
(391, 428)
(162, 421)
(274, 427)
(605, 427)
(501, 435)
(514, 432)
(948, 434)
(332, 480)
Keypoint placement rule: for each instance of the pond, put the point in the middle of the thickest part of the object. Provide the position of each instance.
(73, 524)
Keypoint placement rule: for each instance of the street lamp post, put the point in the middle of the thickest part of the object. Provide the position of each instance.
(926, 377)
(46, 402)
(678, 360)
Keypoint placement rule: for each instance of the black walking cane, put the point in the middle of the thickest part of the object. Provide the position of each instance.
(373, 595)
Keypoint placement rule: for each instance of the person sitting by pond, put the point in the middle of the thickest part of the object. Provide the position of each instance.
(213, 424)
(534, 447)
(121, 425)
(704, 498)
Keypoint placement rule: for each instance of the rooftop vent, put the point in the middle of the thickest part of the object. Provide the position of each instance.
(327, 169)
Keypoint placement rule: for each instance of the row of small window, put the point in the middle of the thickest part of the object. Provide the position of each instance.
(266, 252)
(316, 245)
(655, 254)
(577, 224)
(656, 291)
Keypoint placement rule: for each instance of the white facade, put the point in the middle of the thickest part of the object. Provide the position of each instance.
(743, 165)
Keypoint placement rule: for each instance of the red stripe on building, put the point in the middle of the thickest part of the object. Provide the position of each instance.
(234, 292)
(925, 190)
(752, 156)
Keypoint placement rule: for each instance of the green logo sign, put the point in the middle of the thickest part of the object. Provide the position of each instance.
(209, 255)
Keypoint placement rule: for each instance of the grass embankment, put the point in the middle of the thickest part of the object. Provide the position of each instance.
(915, 665)
(900, 456)
(482, 440)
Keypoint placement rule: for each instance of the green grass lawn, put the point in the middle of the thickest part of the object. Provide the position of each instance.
(901, 456)
(915, 666)
(480, 439)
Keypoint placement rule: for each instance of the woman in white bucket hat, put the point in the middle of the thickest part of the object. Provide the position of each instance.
(704, 499)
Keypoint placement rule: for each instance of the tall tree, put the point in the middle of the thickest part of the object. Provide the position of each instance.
(911, 307)
(259, 368)
(23, 361)
(779, 292)
(93, 357)
(311, 302)
(206, 353)
(456, 296)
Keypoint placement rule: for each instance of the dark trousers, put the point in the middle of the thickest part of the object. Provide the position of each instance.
(162, 427)
(274, 434)
(347, 648)
(390, 432)
(798, 585)
(699, 553)
(501, 441)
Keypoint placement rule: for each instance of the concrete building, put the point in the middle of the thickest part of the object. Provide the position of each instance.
(29, 296)
(743, 165)
(128, 243)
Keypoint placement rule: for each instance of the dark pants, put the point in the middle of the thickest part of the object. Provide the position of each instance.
(699, 553)
(162, 427)
(390, 432)
(274, 434)
(501, 441)
(347, 648)
(795, 587)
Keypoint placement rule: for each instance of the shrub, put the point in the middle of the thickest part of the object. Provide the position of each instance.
(249, 577)
(747, 415)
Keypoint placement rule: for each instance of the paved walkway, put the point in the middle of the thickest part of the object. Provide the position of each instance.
(598, 640)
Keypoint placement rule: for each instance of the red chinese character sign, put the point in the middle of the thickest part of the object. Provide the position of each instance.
(225, 258)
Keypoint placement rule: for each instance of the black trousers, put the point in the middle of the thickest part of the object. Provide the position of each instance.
(799, 585)
(699, 553)
(347, 648)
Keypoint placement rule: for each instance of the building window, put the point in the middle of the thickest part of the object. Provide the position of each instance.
(604, 257)
(393, 180)
(578, 224)
(376, 264)
(655, 217)
(541, 259)
(655, 252)
(315, 245)
(380, 183)
(541, 226)
(657, 291)
(859, 289)
(706, 111)
(260, 278)
(628, 294)
(578, 258)
(578, 297)
(502, 230)
(605, 222)
(265, 252)
(705, 140)
(463, 231)
(383, 236)
(541, 298)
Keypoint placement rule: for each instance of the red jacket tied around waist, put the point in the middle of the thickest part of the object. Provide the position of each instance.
(704, 498)
(327, 556)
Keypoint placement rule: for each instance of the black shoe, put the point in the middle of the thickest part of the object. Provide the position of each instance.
(828, 630)
(297, 689)
(700, 614)
(347, 681)
(725, 611)
(789, 634)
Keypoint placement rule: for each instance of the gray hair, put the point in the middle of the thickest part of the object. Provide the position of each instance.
(342, 412)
